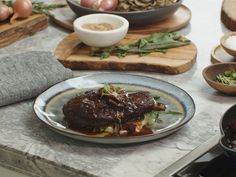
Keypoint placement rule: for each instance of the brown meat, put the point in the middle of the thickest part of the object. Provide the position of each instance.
(94, 110)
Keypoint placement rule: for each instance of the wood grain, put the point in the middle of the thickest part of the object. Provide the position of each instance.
(219, 55)
(10, 33)
(228, 14)
(64, 17)
(175, 61)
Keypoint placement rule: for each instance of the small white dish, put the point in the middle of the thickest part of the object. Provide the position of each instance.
(101, 38)
(228, 42)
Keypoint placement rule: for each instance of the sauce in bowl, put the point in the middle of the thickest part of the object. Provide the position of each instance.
(98, 26)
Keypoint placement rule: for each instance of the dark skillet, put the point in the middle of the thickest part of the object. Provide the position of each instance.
(228, 131)
(136, 18)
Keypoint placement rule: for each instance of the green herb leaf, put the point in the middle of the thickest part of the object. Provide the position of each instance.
(151, 117)
(156, 98)
(109, 89)
(38, 7)
(171, 112)
(156, 42)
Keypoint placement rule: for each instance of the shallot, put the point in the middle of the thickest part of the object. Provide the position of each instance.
(108, 5)
(89, 3)
(5, 12)
(104, 5)
(22, 9)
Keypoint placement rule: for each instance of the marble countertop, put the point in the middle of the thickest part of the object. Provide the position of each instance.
(28, 145)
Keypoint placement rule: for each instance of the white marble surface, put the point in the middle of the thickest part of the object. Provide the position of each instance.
(5, 172)
(21, 131)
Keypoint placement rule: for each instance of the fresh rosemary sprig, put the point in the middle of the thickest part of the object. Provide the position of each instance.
(38, 7)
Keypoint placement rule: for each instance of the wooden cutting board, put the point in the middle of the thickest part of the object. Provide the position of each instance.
(228, 14)
(10, 33)
(64, 17)
(73, 54)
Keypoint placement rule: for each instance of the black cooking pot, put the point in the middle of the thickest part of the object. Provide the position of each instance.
(228, 131)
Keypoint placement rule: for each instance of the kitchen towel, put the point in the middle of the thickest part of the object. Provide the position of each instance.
(26, 75)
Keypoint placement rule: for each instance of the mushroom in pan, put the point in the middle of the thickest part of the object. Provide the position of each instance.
(136, 5)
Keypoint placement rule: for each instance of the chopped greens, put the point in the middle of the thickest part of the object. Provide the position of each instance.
(156, 97)
(152, 117)
(227, 78)
(156, 42)
(109, 89)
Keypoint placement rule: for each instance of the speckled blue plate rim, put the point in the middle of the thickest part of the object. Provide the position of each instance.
(189, 107)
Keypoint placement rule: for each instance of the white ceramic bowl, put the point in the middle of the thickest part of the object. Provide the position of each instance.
(101, 38)
(223, 41)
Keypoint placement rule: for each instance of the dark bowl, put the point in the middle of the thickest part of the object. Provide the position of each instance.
(227, 119)
(135, 18)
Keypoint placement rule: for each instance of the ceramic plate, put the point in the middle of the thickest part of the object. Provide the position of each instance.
(134, 17)
(48, 105)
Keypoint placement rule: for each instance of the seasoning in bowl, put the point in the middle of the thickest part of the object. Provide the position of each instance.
(100, 33)
(231, 42)
(228, 42)
(227, 78)
(98, 26)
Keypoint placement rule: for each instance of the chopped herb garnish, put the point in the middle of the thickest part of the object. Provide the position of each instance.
(156, 97)
(109, 89)
(227, 78)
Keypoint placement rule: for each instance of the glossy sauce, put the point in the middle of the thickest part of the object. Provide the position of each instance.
(144, 131)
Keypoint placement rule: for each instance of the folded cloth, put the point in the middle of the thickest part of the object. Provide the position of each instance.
(26, 75)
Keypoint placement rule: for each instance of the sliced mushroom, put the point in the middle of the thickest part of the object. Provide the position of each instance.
(141, 4)
(137, 5)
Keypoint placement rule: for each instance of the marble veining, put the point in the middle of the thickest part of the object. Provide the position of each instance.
(27, 143)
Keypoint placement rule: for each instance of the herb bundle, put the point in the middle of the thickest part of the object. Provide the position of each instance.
(38, 7)
(156, 42)
(227, 78)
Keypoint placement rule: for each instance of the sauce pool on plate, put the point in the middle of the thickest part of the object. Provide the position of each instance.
(98, 26)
